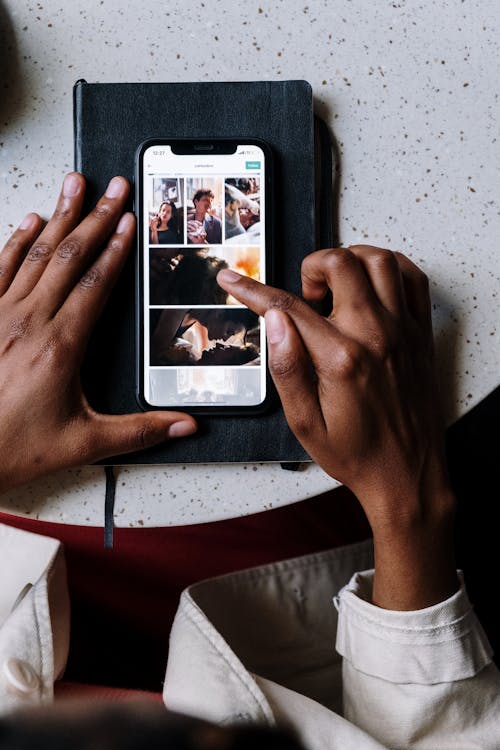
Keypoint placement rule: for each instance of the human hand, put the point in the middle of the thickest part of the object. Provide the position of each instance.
(359, 391)
(53, 287)
(196, 232)
(153, 226)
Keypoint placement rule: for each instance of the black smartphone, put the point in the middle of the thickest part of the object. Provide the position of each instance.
(202, 206)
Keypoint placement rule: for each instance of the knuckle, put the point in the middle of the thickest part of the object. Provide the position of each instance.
(348, 360)
(92, 278)
(285, 301)
(143, 436)
(18, 329)
(56, 348)
(383, 260)
(313, 258)
(283, 366)
(39, 253)
(69, 249)
(363, 248)
(101, 212)
(338, 258)
(115, 244)
(21, 326)
(62, 212)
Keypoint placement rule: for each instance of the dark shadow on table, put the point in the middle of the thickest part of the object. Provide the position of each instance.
(473, 447)
(12, 85)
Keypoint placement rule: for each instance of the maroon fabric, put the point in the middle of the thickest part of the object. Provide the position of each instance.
(123, 600)
(78, 691)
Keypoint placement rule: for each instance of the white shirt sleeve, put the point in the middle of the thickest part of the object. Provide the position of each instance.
(34, 618)
(421, 679)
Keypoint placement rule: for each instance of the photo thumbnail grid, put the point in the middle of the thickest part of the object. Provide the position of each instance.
(200, 336)
(204, 210)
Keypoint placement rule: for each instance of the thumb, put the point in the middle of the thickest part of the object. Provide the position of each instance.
(112, 435)
(293, 377)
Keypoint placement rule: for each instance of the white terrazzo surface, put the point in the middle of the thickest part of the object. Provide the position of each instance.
(411, 92)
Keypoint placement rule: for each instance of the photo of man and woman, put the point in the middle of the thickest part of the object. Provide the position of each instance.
(204, 210)
(188, 276)
(165, 207)
(242, 210)
(204, 336)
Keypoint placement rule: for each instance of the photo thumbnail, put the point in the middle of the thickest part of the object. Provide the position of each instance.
(242, 210)
(204, 210)
(165, 207)
(188, 275)
(228, 386)
(204, 336)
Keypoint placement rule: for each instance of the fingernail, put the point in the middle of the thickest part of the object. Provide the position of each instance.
(28, 222)
(181, 429)
(229, 276)
(124, 223)
(116, 188)
(275, 327)
(71, 185)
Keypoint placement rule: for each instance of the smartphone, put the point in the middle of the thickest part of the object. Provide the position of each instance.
(202, 206)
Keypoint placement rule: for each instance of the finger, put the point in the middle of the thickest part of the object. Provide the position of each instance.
(416, 291)
(16, 247)
(74, 254)
(111, 435)
(316, 331)
(62, 221)
(383, 271)
(293, 376)
(86, 301)
(260, 298)
(337, 269)
(314, 279)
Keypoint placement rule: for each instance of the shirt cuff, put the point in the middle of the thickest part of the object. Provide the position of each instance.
(442, 643)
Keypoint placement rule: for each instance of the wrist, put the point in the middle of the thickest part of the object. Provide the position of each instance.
(408, 504)
(414, 555)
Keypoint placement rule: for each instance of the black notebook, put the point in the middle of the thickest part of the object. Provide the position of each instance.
(111, 120)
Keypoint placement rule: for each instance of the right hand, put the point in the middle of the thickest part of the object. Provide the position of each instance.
(196, 232)
(369, 416)
(367, 409)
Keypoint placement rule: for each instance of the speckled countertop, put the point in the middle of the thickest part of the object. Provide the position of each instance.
(411, 92)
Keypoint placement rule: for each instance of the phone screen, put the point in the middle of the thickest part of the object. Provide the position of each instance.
(201, 212)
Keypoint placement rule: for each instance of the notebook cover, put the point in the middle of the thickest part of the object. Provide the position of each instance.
(111, 120)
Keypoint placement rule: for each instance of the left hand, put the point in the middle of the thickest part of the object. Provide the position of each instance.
(53, 287)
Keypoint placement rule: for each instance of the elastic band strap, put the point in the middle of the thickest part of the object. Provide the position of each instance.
(109, 507)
